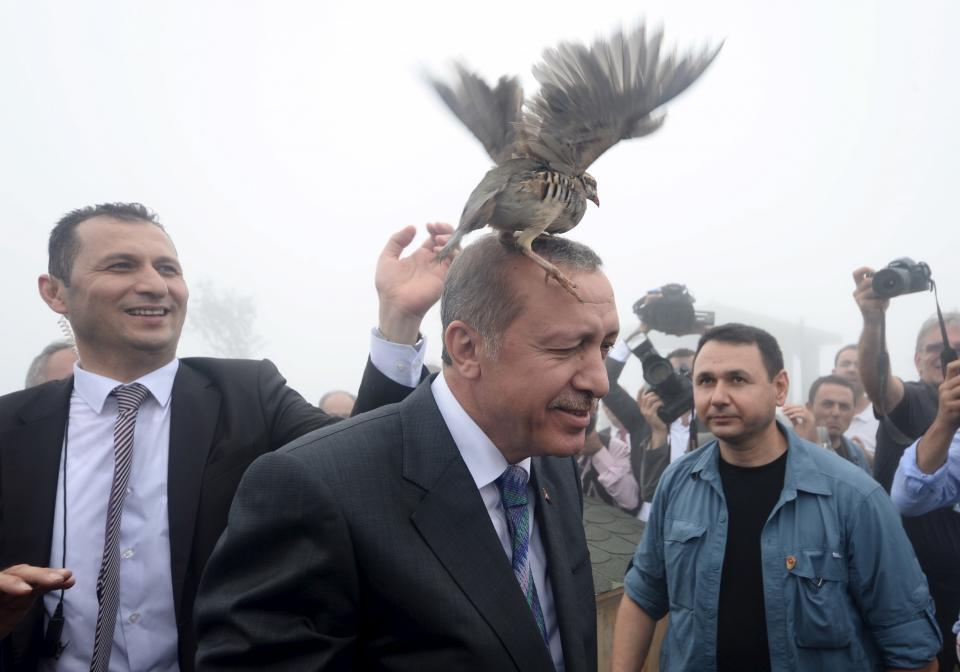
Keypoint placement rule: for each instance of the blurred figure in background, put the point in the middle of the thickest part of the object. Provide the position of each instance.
(863, 427)
(55, 362)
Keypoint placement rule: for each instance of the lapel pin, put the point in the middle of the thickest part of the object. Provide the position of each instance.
(791, 562)
(546, 495)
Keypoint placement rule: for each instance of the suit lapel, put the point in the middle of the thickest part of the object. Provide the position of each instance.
(454, 523)
(555, 505)
(29, 462)
(193, 420)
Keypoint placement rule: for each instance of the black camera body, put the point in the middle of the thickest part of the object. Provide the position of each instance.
(674, 389)
(673, 313)
(901, 276)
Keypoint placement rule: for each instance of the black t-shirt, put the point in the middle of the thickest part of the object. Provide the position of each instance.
(751, 493)
(912, 416)
(935, 535)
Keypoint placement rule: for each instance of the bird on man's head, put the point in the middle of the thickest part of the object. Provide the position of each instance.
(589, 99)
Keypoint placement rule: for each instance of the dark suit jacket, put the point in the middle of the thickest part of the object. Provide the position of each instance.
(367, 546)
(224, 414)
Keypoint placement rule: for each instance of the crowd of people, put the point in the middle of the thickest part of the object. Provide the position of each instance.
(175, 513)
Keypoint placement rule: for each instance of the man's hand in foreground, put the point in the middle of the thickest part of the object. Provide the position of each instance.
(21, 585)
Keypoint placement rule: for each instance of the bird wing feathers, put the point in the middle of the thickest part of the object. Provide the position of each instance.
(493, 115)
(590, 98)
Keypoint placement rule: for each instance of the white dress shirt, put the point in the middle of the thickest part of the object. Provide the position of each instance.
(145, 636)
(486, 463)
(864, 426)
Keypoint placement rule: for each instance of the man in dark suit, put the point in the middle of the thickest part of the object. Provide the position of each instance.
(444, 532)
(114, 273)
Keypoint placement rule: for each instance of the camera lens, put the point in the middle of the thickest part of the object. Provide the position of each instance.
(890, 282)
(657, 371)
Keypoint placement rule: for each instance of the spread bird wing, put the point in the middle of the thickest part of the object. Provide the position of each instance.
(590, 98)
(492, 115)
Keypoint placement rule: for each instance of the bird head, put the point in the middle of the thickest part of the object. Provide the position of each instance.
(590, 188)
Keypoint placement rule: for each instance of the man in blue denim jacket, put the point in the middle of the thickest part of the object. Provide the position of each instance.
(769, 552)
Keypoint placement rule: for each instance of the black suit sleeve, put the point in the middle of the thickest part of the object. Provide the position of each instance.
(280, 591)
(622, 404)
(377, 390)
(290, 416)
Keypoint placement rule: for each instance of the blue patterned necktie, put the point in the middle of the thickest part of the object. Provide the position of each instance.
(129, 398)
(513, 494)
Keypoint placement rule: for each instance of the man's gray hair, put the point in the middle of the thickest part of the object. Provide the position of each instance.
(951, 318)
(478, 291)
(36, 374)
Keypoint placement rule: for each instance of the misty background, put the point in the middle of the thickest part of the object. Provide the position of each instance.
(281, 144)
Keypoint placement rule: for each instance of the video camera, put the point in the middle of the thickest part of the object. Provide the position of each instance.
(674, 389)
(672, 311)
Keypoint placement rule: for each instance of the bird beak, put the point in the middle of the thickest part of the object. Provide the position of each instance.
(596, 199)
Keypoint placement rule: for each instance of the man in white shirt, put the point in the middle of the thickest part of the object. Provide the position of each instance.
(133, 508)
(444, 532)
(863, 427)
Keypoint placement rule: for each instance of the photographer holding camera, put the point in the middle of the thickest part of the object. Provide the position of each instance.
(906, 410)
(659, 420)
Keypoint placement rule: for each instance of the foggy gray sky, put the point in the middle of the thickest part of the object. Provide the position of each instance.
(282, 142)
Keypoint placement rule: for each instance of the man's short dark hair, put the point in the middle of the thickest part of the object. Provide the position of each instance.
(681, 352)
(64, 246)
(36, 374)
(742, 334)
(836, 357)
(831, 380)
(478, 290)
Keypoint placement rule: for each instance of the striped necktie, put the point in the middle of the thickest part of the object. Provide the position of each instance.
(513, 494)
(129, 398)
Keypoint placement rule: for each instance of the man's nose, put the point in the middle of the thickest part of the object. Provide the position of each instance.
(719, 395)
(150, 281)
(592, 376)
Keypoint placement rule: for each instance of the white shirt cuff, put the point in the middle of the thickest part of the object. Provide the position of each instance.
(399, 362)
(908, 463)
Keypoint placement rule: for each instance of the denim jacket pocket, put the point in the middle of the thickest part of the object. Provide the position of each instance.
(681, 546)
(822, 609)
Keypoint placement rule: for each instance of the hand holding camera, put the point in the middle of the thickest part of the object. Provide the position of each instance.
(650, 405)
(872, 306)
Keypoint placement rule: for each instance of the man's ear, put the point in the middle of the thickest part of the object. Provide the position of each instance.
(781, 383)
(52, 292)
(916, 361)
(465, 347)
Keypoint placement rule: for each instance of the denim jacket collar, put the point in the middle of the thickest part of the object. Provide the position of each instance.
(801, 473)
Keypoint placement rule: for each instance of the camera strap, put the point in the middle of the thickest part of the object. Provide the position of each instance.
(948, 354)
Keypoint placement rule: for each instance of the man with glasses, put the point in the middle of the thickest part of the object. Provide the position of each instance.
(906, 410)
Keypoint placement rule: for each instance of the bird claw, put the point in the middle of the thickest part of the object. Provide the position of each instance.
(552, 272)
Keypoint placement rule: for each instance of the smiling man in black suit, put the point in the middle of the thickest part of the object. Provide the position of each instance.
(147, 497)
(444, 532)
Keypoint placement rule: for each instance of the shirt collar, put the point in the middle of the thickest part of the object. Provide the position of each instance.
(802, 472)
(94, 388)
(484, 460)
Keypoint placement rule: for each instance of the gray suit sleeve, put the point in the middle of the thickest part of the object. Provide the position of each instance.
(280, 590)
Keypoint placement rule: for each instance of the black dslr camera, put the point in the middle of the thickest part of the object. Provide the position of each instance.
(901, 276)
(673, 312)
(674, 389)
